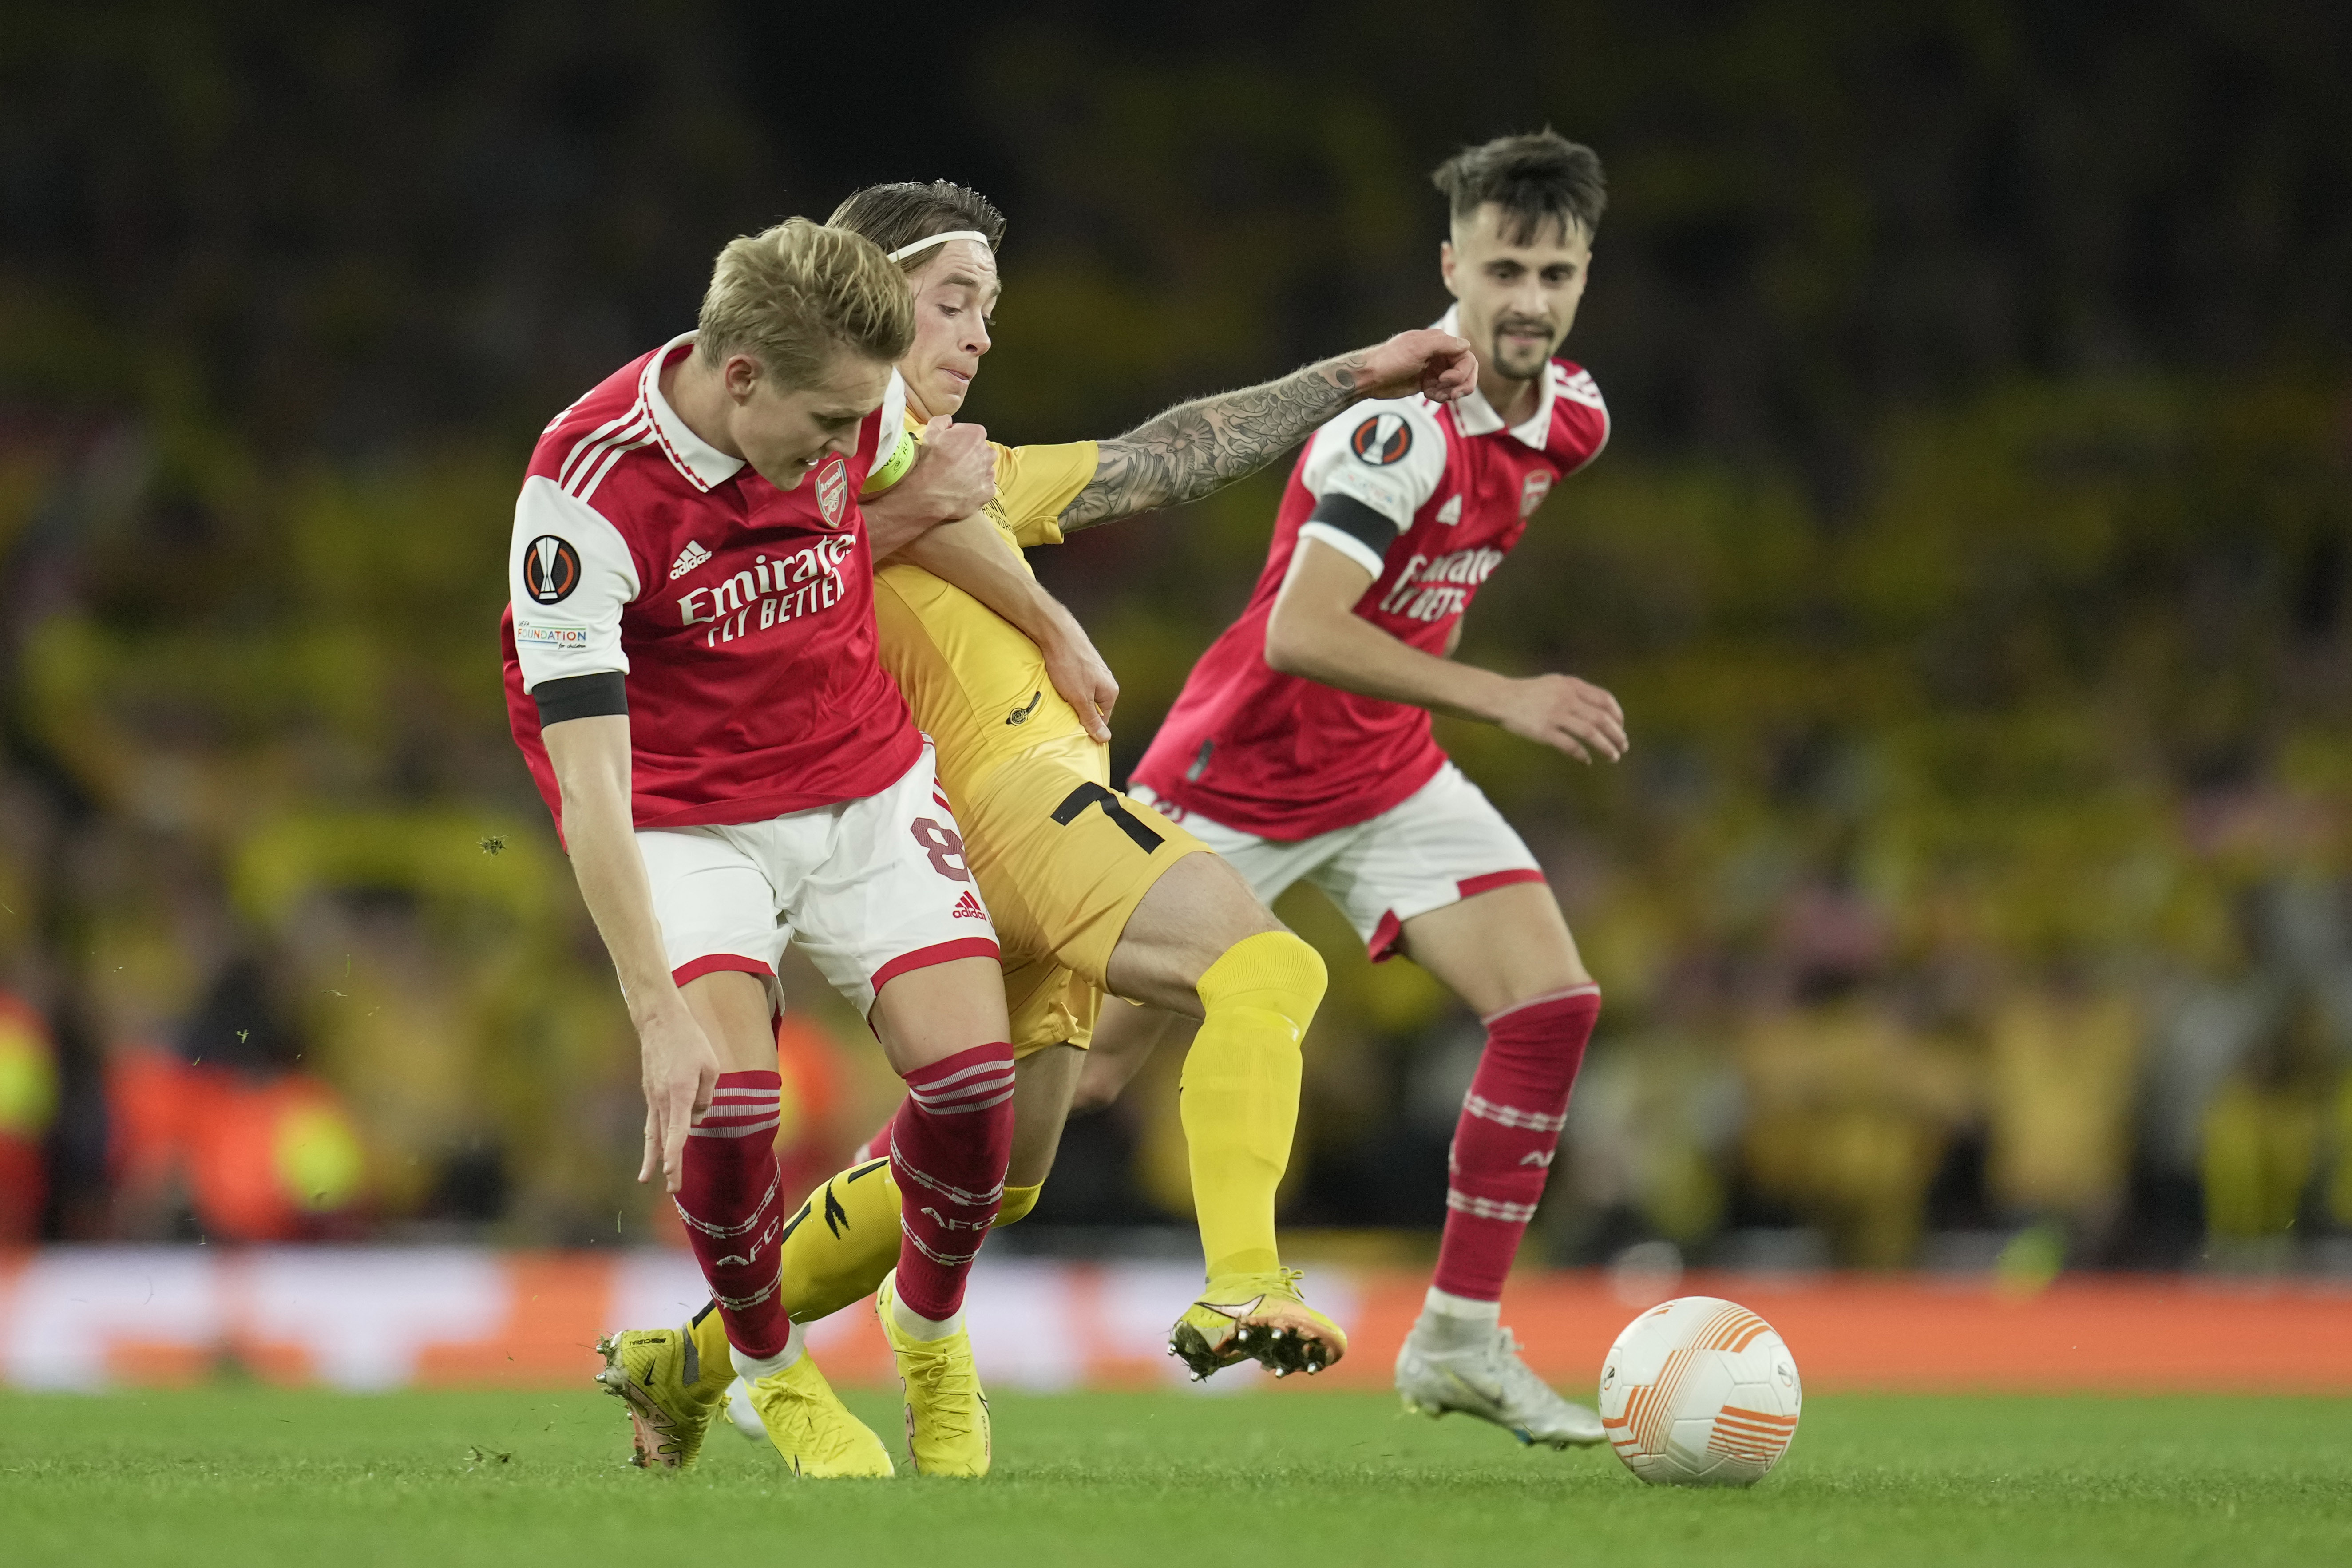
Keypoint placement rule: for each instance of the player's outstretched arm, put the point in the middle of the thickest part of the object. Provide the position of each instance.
(1198, 447)
(1314, 632)
(973, 556)
(591, 758)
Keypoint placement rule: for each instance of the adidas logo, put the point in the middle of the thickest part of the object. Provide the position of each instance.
(692, 556)
(967, 908)
(1451, 512)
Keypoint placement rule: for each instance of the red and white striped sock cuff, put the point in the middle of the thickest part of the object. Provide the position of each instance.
(1548, 999)
(742, 1104)
(974, 1085)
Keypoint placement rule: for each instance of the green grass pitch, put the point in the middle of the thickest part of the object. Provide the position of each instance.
(249, 1475)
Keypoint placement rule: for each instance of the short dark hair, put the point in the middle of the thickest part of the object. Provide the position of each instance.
(1536, 180)
(905, 211)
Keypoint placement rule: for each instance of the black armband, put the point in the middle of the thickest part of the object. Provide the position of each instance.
(582, 697)
(1373, 529)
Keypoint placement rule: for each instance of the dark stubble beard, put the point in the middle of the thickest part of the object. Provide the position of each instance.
(1502, 352)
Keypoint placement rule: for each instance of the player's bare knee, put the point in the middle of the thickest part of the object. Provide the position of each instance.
(1234, 912)
(925, 1015)
(1043, 1082)
(1107, 1076)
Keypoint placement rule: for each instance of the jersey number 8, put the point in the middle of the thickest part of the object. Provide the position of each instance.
(946, 845)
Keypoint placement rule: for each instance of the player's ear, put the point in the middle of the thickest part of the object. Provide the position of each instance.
(742, 373)
(1445, 266)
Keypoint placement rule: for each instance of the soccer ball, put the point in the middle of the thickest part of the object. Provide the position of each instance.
(1699, 1392)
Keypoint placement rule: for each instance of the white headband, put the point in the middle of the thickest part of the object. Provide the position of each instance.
(904, 251)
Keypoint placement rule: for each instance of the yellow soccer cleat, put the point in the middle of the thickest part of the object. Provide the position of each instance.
(1259, 1318)
(673, 1380)
(947, 1414)
(814, 1432)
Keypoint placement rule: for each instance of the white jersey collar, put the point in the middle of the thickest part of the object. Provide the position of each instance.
(704, 464)
(1473, 415)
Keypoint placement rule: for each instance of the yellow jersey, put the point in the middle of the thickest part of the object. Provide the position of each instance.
(977, 686)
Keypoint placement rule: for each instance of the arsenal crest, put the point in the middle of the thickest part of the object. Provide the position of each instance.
(831, 483)
(1532, 493)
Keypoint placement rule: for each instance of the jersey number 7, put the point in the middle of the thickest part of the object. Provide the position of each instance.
(1088, 794)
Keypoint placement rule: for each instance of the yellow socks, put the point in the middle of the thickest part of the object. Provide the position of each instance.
(842, 1242)
(1240, 1099)
(1018, 1202)
(845, 1239)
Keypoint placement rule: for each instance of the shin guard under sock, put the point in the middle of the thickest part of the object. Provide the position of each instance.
(730, 1194)
(1240, 1093)
(1508, 1131)
(948, 1148)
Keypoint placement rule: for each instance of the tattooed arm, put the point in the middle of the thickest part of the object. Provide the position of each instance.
(1199, 446)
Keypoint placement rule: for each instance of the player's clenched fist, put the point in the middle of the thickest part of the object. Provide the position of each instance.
(1438, 365)
(1575, 716)
(954, 476)
(957, 468)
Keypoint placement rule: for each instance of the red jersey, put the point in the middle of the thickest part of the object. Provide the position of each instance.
(1287, 758)
(741, 615)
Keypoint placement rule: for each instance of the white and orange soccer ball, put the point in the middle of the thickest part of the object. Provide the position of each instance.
(1699, 1392)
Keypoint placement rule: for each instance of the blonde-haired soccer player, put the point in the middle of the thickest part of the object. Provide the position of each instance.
(1090, 891)
(690, 674)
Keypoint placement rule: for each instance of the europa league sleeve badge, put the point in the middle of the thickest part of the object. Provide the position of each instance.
(550, 570)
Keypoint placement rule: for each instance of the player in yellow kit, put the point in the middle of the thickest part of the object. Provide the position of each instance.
(1088, 890)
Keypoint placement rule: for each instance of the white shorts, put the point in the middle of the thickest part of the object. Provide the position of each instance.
(1440, 845)
(870, 888)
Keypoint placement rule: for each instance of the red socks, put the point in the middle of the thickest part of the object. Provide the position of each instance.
(949, 1149)
(1503, 1144)
(730, 1198)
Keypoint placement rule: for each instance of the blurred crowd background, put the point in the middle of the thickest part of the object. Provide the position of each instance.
(1971, 557)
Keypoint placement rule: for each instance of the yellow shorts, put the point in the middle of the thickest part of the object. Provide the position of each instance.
(1063, 860)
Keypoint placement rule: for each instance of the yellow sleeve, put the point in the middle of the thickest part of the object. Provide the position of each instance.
(1034, 484)
(892, 468)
